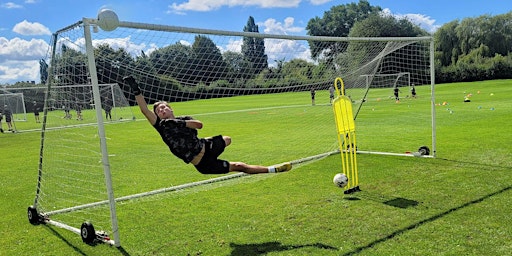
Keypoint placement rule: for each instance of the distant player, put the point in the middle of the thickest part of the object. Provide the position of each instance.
(396, 92)
(78, 109)
(1, 127)
(180, 135)
(36, 109)
(413, 92)
(313, 93)
(8, 118)
(107, 105)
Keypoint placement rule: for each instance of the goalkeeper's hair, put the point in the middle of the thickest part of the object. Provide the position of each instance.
(158, 103)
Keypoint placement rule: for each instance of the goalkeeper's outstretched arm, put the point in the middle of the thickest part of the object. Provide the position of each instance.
(150, 116)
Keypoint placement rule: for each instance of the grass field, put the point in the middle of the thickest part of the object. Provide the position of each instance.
(455, 204)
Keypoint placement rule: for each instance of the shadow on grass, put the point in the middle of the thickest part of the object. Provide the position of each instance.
(484, 166)
(397, 202)
(77, 250)
(425, 221)
(57, 234)
(401, 203)
(268, 247)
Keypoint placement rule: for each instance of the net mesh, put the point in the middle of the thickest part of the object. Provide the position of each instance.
(265, 91)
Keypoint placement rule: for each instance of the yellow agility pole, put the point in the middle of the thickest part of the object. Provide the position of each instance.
(346, 130)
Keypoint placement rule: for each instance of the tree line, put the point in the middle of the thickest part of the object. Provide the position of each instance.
(467, 50)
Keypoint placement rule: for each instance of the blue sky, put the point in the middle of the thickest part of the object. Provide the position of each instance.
(26, 25)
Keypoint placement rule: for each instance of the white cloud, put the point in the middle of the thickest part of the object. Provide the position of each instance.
(424, 21)
(11, 5)
(232, 46)
(319, 2)
(210, 5)
(31, 28)
(274, 27)
(15, 71)
(19, 59)
(19, 49)
(278, 49)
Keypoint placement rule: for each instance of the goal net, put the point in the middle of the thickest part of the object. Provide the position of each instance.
(270, 93)
(388, 80)
(13, 102)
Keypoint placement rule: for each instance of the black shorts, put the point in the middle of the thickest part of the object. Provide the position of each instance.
(210, 164)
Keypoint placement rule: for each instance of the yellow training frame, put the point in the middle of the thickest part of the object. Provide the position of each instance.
(345, 126)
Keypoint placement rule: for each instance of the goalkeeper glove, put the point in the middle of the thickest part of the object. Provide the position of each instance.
(133, 84)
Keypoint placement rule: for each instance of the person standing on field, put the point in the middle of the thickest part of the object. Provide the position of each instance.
(180, 134)
(1, 127)
(78, 109)
(67, 109)
(396, 91)
(36, 109)
(313, 93)
(107, 106)
(8, 118)
(413, 92)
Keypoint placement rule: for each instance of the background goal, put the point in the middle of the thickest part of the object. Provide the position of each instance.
(15, 103)
(257, 88)
(62, 99)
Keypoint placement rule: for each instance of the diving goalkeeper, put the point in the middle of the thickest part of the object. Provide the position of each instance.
(180, 135)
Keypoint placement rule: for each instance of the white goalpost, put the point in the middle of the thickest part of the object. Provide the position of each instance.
(234, 81)
(14, 102)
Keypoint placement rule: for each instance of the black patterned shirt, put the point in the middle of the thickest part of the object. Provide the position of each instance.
(182, 141)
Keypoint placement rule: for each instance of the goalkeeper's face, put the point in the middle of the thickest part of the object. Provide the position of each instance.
(163, 110)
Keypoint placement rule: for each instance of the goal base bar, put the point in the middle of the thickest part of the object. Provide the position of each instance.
(100, 236)
(393, 154)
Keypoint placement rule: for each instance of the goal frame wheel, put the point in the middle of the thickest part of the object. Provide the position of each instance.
(88, 233)
(424, 151)
(33, 215)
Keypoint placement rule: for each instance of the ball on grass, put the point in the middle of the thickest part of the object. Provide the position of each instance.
(107, 20)
(340, 180)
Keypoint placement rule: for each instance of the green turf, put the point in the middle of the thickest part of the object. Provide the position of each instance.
(455, 204)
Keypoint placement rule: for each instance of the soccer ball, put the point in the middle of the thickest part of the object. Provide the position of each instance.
(340, 180)
(107, 20)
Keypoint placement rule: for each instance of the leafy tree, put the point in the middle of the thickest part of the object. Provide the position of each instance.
(298, 69)
(474, 49)
(378, 25)
(447, 44)
(110, 63)
(174, 61)
(236, 65)
(253, 48)
(385, 26)
(71, 67)
(143, 64)
(209, 64)
(337, 22)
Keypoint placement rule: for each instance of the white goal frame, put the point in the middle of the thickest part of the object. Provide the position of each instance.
(16, 103)
(89, 24)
